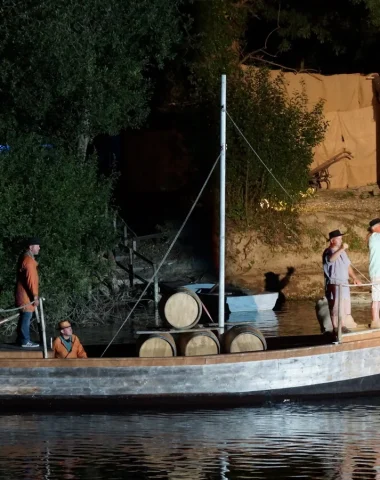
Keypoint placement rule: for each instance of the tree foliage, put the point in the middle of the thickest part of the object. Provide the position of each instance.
(313, 34)
(72, 68)
(47, 192)
(281, 129)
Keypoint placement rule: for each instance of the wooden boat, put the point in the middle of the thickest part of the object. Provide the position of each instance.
(283, 367)
(291, 368)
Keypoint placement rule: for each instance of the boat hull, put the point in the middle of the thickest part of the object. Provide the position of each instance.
(347, 369)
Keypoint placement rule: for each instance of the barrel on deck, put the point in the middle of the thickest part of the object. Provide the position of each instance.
(198, 343)
(244, 338)
(159, 344)
(182, 309)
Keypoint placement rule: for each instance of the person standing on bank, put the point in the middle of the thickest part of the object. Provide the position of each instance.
(27, 291)
(67, 345)
(374, 269)
(337, 270)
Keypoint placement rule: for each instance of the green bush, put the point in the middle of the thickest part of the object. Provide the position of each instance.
(50, 193)
(281, 130)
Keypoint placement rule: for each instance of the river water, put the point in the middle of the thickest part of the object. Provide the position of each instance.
(324, 440)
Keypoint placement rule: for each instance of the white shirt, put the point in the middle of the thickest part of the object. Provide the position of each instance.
(374, 255)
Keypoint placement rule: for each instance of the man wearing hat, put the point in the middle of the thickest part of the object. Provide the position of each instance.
(67, 345)
(374, 269)
(26, 294)
(337, 270)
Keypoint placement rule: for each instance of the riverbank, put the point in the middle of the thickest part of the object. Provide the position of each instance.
(250, 260)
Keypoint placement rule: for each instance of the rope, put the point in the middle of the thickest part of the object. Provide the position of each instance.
(258, 156)
(360, 273)
(165, 256)
(2, 310)
(9, 318)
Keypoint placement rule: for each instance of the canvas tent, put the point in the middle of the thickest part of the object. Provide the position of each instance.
(350, 108)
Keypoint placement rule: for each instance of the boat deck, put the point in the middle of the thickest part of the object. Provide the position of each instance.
(362, 332)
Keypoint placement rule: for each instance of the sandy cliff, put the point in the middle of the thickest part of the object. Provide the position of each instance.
(249, 259)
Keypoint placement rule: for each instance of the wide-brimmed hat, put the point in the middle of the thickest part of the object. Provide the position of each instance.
(335, 233)
(63, 324)
(374, 222)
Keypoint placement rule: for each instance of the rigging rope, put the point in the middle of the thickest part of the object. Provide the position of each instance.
(13, 317)
(2, 310)
(358, 286)
(165, 256)
(258, 156)
(5, 320)
(362, 274)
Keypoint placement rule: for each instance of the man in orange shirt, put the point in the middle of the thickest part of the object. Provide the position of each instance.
(27, 291)
(67, 345)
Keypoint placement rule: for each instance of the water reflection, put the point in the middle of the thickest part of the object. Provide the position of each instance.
(267, 321)
(321, 441)
(295, 318)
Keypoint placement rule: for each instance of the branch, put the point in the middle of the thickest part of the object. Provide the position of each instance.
(263, 49)
(241, 3)
(310, 70)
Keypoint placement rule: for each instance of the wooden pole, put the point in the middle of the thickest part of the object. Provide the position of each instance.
(155, 285)
(125, 236)
(131, 271)
(43, 329)
(340, 313)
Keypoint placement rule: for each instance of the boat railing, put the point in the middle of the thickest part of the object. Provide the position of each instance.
(39, 311)
(128, 242)
(127, 231)
(132, 253)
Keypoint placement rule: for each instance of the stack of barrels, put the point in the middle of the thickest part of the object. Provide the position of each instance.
(182, 311)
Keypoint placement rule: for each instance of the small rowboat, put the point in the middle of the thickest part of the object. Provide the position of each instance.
(238, 300)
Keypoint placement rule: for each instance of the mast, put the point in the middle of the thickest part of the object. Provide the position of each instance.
(222, 211)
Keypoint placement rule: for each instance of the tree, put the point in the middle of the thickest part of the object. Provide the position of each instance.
(72, 69)
(332, 36)
(47, 192)
(282, 130)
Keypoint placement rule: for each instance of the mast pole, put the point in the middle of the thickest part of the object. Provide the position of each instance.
(222, 211)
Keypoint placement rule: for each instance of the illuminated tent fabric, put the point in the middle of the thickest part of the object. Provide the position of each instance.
(350, 108)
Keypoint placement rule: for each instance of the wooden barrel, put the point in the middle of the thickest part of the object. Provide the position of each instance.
(157, 344)
(244, 338)
(182, 309)
(198, 343)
